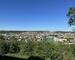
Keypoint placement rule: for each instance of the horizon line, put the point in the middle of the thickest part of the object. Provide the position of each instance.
(40, 30)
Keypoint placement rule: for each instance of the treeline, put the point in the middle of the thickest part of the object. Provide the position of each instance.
(44, 49)
(9, 31)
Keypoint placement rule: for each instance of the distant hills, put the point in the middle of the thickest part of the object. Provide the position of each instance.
(6, 31)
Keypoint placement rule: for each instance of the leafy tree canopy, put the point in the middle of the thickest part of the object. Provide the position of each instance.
(71, 15)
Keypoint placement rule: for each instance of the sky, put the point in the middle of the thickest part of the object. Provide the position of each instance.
(47, 15)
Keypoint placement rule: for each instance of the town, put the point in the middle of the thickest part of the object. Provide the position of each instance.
(57, 36)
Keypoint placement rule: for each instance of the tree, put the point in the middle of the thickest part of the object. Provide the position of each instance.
(14, 45)
(71, 15)
(3, 45)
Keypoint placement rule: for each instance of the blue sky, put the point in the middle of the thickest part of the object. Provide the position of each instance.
(34, 14)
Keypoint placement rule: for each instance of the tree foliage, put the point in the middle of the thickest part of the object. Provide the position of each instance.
(71, 15)
(13, 45)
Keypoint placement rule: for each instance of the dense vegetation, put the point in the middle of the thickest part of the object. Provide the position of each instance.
(46, 49)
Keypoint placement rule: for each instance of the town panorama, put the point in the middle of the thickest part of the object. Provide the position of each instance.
(57, 36)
